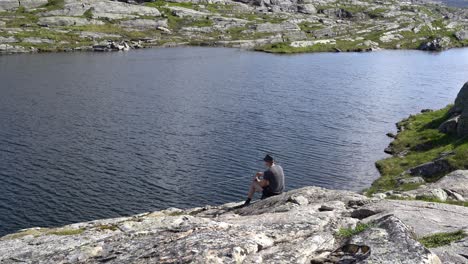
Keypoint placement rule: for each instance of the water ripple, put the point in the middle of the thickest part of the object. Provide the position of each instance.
(185, 127)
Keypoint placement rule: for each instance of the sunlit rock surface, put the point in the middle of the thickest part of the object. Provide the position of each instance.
(300, 226)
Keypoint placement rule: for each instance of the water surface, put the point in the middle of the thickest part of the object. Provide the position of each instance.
(96, 135)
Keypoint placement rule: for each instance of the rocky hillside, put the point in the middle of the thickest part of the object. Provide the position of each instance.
(267, 25)
(308, 225)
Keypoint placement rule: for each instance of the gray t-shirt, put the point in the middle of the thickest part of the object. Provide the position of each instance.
(275, 176)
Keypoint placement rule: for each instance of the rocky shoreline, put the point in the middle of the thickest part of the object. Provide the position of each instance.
(308, 225)
(272, 26)
(424, 222)
(433, 143)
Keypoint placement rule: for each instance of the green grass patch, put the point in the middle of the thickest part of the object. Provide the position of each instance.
(435, 200)
(407, 8)
(236, 32)
(220, 8)
(113, 29)
(438, 23)
(21, 234)
(54, 4)
(273, 19)
(61, 40)
(429, 199)
(46, 231)
(413, 40)
(349, 232)
(20, 18)
(350, 8)
(21, 10)
(441, 239)
(353, 9)
(176, 23)
(422, 129)
(423, 143)
(286, 48)
(88, 13)
(202, 23)
(346, 45)
(248, 16)
(308, 27)
(156, 4)
(161, 3)
(425, 9)
(184, 5)
(110, 227)
(241, 33)
(176, 213)
(377, 13)
(65, 232)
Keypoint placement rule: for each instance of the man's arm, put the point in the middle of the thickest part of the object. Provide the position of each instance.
(258, 174)
(264, 182)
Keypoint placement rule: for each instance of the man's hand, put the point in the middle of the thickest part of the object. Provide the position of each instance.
(257, 175)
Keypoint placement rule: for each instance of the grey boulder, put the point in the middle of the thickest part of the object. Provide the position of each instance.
(104, 9)
(437, 44)
(144, 24)
(6, 5)
(390, 241)
(462, 35)
(449, 126)
(281, 27)
(453, 186)
(29, 4)
(456, 181)
(7, 49)
(457, 121)
(307, 9)
(429, 169)
(299, 226)
(8, 39)
(67, 21)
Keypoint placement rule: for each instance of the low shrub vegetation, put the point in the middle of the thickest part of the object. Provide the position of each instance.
(441, 239)
(88, 13)
(65, 232)
(349, 232)
(55, 4)
(430, 199)
(286, 48)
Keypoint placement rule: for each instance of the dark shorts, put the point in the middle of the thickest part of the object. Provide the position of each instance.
(266, 193)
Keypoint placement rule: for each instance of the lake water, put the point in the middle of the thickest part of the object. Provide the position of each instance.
(97, 135)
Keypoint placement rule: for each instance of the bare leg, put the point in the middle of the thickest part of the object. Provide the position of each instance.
(254, 187)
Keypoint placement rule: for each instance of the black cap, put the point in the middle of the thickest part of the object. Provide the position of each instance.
(268, 158)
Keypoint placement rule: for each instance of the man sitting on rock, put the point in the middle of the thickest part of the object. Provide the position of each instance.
(270, 182)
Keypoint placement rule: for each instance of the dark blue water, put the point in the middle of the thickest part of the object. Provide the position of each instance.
(86, 135)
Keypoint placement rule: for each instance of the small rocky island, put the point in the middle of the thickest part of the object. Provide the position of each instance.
(415, 213)
(273, 26)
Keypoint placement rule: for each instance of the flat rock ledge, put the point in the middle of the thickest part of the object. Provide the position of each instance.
(300, 226)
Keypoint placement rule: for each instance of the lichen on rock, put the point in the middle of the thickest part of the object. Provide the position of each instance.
(280, 229)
